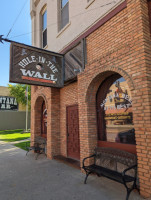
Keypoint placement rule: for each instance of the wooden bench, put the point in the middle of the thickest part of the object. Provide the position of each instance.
(118, 165)
(39, 146)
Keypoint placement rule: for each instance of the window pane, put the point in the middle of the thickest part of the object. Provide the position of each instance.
(63, 3)
(44, 38)
(65, 15)
(44, 20)
(116, 111)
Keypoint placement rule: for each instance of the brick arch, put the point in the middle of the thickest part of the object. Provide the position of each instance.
(37, 99)
(101, 75)
(87, 102)
(38, 95)
(93, 104)
(37, 115)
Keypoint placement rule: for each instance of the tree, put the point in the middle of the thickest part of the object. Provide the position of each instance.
(18, 91)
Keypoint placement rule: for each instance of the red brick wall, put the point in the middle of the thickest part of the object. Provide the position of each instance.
(121, 45)
(56, 102)
(51, 96)
(68, 96)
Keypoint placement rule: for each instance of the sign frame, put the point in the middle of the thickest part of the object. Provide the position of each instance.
(9, 100)
(37, 81)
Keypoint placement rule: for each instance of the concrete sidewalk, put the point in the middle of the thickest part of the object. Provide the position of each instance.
(19, 141)
(24, 178)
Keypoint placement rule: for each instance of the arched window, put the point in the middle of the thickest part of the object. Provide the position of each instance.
(114, 112)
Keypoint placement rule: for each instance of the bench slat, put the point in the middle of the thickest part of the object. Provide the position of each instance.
(109, 173)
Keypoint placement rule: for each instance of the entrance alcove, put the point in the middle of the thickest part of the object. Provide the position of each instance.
(40, 124)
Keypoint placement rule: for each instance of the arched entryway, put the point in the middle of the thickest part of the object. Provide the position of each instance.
(40, 117)
(115, 126)
(46, 118)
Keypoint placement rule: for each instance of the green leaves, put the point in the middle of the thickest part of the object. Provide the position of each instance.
(18, 91)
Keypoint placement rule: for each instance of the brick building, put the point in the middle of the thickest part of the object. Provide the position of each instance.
(106, 99)
(5, 92)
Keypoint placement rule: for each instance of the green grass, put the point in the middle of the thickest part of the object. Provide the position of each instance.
(23, 145)
(13, 135)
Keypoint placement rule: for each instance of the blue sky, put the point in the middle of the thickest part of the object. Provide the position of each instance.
(9, 12)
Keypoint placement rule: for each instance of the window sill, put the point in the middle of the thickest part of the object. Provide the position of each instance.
(63, 29)
(89, 3)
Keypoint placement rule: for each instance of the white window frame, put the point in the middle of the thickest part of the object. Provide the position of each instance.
(60, 10)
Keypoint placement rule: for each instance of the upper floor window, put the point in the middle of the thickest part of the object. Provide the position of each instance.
(63, 3)
(44, 28)
(64, 15)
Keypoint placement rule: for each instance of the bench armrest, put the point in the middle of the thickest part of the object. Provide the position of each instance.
(87, 158)
(132, 167)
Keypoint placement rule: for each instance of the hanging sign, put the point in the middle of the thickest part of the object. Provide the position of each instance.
(8, 103)
(34, 66)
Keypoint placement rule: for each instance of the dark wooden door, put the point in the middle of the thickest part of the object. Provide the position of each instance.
(73, 144)
(44, 121)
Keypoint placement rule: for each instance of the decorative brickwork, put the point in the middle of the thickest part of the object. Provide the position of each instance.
(51, 96)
